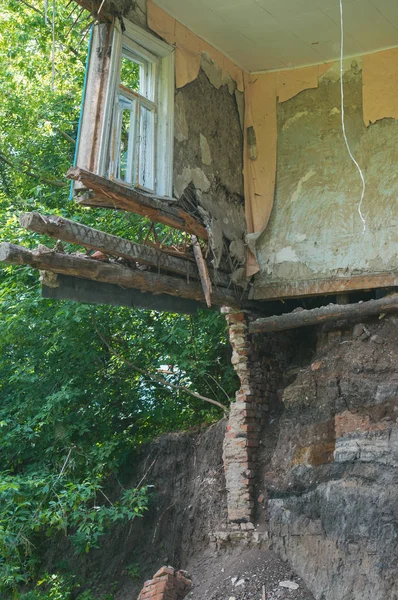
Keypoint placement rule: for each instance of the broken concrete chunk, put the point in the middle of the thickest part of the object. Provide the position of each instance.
(290, 585)
(200, 180)
(237, 250)
(181, 181)
(205, 150)
(229, 213)
(361, 331)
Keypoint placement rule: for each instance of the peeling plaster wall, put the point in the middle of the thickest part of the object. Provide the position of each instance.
(190, 49)
(208, 131)
(208, 154)
(380, 86)
(262, 92)
(301, 190)
(208, 134)
(315, 231)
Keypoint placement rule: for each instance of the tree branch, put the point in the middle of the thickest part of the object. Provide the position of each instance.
(68, 137)
(157, 379)
(32, 7)
(26, 171)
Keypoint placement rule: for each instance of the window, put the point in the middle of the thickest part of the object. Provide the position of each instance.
(131, 134)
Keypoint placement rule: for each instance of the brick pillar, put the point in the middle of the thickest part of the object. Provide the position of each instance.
(246, 418)
(167, 584)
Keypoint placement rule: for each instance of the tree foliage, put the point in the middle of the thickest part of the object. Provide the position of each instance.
(71, 412)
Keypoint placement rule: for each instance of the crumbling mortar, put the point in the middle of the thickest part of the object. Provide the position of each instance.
(258, 373)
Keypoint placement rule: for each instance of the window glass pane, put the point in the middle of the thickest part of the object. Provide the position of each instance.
(130, 73)
(146, 148)
(125, 139)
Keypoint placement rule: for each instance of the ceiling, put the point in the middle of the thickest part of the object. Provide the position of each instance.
(277, 34)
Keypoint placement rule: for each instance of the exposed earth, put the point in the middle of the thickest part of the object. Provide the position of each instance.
(254, 573)
(326, 494)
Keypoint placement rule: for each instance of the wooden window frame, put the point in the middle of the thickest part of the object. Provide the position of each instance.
(98, 139)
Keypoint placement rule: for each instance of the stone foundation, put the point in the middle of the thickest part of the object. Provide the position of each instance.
(167, 584)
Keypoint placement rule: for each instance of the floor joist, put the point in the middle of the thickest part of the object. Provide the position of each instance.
(76, 233)
(94, 292)
(88, 268)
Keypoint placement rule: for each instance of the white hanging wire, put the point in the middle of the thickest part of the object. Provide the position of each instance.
(343, 118)
(46, 12)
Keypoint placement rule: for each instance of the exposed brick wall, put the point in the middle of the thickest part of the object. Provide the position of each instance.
(258, 361)
(167, 584)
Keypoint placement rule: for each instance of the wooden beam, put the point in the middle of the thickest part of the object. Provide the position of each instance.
(109, 194)
(76, 233)
(202, 269)
(93, 116)
(93, 5)
(93, 292)
(319, 316)
(323, 287)
(87, 268)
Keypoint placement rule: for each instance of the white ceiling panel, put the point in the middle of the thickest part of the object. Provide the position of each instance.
(276, 34)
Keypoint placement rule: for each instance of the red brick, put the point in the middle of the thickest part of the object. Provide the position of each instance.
(162, 587)
(163, 577)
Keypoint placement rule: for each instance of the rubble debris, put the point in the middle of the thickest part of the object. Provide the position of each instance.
(290, 585)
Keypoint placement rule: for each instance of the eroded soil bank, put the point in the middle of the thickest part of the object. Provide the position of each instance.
(326, 496)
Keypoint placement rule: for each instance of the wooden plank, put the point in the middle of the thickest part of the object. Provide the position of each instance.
(87, 268)
(93, 292)
(76, 233)
(202, 269)
(319, 316)
(94, 101)
(109, 194)
(318, 287)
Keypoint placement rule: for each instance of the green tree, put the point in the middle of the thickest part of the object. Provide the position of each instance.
(72, 411)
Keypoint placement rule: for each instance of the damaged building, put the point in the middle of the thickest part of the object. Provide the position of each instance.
(243, 125)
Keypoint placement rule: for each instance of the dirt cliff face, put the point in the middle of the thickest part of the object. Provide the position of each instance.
(326, 489)
(188, 504)
(330, 458)
(327, 478)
